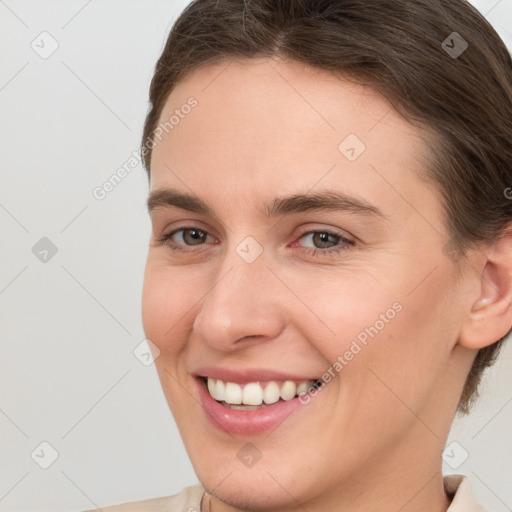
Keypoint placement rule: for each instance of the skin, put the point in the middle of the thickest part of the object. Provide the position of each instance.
(372, 438)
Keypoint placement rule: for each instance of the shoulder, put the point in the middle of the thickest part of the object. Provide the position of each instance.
(188, 500)
(458, 488)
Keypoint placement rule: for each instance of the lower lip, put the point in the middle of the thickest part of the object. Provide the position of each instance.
(234, 421)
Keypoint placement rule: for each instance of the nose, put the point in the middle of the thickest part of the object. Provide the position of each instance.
(242, 304)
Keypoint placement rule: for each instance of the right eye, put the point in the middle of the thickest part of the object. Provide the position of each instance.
(189, 235)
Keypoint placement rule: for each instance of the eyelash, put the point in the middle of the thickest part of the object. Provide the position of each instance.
(311, 251)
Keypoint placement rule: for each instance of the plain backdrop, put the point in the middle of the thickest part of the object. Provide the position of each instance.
(75, 394)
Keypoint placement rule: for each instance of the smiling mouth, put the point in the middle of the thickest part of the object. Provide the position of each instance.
(256, 395)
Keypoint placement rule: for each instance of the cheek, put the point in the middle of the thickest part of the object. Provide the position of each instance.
(344, 310)
(405, 360)
(358, 323)
(164, 306)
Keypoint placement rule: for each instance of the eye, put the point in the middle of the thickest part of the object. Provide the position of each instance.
(330, 243)
(336, 242)
(187, 236)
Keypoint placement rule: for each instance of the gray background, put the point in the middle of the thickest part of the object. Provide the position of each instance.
(70, 323)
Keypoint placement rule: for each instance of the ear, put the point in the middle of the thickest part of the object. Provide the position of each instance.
(490, 317)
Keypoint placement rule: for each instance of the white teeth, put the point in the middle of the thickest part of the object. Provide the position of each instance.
(302, 388)
(233, 393)
(271, 393)
(253, 393)
(288, 390)
(211, 388)
(220, 390)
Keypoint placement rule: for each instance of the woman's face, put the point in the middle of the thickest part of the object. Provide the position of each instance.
(255, 286)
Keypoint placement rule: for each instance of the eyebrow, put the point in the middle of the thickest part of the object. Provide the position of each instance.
(327, 200)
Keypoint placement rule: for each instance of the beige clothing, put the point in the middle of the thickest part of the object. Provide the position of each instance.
(189, 499)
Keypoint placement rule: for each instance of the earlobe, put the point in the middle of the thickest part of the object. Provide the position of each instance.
(490, 317)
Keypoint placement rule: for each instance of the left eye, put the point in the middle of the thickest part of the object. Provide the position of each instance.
(322, 237)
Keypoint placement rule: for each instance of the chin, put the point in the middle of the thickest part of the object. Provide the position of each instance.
(265, 486)
(248, 495)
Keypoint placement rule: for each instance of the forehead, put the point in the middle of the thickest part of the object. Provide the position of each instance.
(265, 124)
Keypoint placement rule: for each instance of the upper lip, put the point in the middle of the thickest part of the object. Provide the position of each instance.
(248, 374)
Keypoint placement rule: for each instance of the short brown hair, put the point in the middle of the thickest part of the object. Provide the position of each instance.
(402, 49)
